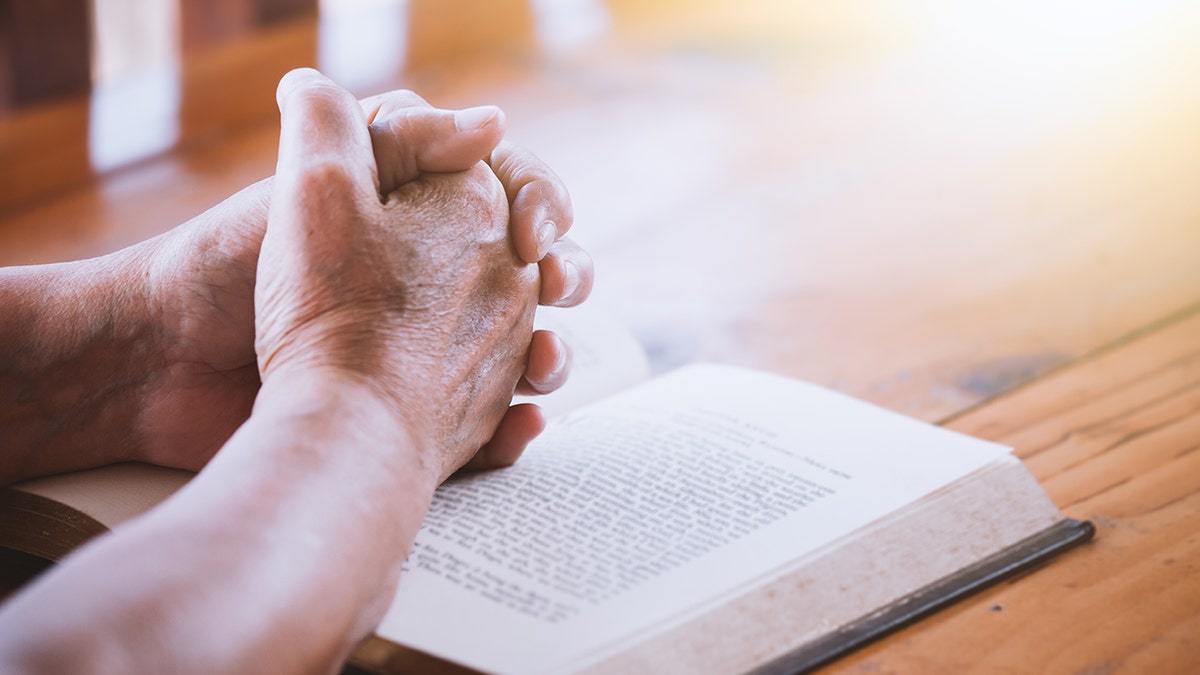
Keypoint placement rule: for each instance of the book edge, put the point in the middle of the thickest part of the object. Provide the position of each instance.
(1020, 557)
(43, 527)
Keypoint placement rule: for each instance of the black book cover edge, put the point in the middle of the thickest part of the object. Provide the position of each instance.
(1015, 559)
(1018, 558)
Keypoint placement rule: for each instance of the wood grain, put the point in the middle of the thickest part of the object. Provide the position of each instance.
(812, 193)
(1114, 439)
(981, 214)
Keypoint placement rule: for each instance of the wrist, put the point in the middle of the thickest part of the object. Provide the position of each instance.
(345, 419)
(199, 280)
(114, 298)
(77, 346)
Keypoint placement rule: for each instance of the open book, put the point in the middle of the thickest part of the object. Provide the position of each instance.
(712, 519)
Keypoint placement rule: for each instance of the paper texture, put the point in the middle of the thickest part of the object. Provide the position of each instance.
(634, 513)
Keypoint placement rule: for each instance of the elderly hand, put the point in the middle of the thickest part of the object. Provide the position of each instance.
(389, 334)
(205, 273)
(421, 298)
(148, 353)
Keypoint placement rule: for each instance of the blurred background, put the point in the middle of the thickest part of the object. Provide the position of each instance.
(925, 203)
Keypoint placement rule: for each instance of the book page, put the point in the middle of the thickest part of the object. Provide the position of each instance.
(874, 568)
(632, 514)
(110, 494)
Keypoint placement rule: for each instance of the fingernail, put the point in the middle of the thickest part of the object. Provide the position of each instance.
(547, 232)
(473, 119)
(560, 364)
(570, 279)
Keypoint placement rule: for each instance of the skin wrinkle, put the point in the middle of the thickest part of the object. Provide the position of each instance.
(254, 537)
(425, 302)
(403, 163)
(162, 404)
(83, 385)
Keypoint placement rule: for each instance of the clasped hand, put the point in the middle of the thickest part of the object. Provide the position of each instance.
(347, 334)
(393, 255)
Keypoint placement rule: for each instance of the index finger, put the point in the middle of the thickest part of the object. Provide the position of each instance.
(539, 204)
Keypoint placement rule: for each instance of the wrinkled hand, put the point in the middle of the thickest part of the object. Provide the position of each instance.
(540, 208)
(421, 298)
(206, 276)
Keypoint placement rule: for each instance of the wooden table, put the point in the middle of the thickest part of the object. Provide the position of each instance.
(987, 218)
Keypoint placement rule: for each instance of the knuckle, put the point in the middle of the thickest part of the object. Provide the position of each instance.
(553, 192)
(537, 184)
(397, 122)
(410, 127)
(474, 196)
(318, 99)
(486, 187)
(407, 98)
(395, 101)
(518, 166)
(325, 177)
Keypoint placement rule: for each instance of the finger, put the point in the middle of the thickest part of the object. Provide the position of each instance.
(414, 140)
(381, 105)
(567, 275)
(323, 135)
(520, 425)
(539, 204)
(548, 365)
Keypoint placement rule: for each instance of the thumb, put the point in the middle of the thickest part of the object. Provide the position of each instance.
(410, 141)
(322, 130)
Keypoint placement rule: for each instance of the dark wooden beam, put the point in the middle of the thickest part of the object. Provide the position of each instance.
(45, 50)
(210, 22)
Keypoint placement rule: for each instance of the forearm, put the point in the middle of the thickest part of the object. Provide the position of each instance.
(76, 349)
(145, 353)
(282, 553)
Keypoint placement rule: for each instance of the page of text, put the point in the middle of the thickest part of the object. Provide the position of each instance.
(639, 511)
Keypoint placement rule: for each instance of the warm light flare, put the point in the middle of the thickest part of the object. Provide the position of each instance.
(134, 108)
